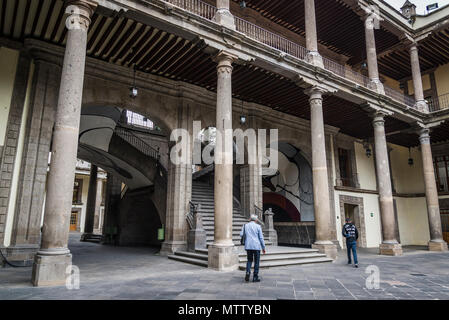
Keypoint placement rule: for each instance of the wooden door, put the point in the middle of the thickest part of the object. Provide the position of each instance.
(74, 221)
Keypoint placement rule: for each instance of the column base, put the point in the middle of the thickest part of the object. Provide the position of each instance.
(315, 58)
(50, 270)
(225, 18)
(196, 239)
(21, 254)
(271, 236)
(223, 258)
(390, 249)
(170, 247)
(422, 106)
(377, 86)
(329, 249)
(438, 246)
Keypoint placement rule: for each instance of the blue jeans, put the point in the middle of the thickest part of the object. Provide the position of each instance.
(352, 246)
(253, 255)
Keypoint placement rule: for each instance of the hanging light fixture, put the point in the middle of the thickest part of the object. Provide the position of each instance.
(367, 148)
(410, 159)
(242, 4)
(133, 92)
(242, 117)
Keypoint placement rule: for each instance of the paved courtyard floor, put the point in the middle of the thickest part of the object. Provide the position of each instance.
(108, 272)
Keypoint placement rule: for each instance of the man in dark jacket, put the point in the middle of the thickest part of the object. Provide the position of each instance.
(351, 234)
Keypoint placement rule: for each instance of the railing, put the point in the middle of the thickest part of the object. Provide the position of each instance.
(438, 103)
(398, 96)
(270, 39)
(138, 143)
(197, 7)
(280, 43)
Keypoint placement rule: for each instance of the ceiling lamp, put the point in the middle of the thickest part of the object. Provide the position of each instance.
(242, 116)
(410, 159)
(242, 4)
(133, 92)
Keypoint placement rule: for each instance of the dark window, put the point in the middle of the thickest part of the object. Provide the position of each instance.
(442, 173)
(77, 191)
(345, 167)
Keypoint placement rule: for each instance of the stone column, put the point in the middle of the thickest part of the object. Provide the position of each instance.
(436, 242)
(390, 245)
(323, 224)
(223, 254)
(223, 15)
(91, 204)
(313, 55)
(371, 55)
(111, 209)
(420, 104)
(53, 258)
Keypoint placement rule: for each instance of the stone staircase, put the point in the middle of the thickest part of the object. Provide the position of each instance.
(275, 257)
(203, 193)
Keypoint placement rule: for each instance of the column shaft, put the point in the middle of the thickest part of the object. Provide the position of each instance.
(390, 245)
(53, 258)
(222, 254)
(311, 34)
(320, 177)
(371, 55)
(436, 242)
(421, 104)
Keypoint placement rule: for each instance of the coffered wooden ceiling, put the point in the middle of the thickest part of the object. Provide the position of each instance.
(125, 42)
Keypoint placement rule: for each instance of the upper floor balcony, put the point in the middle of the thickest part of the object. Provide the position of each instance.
(288, 47)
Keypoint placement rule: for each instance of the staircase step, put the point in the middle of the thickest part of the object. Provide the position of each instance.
(285, 251)
(192, 255)
(194, 261)
(282, 263)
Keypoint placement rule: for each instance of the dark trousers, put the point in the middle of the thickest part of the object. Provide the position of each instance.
(352, 246)
(253, 255)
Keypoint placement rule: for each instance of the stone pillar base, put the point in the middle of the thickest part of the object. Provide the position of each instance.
(196, 239)
(329, 249)
(377, 86)
(225, 18)
(422, 106)
(437, 246)
(21, 254)
(315, 58)
(223, 258)
(390, 249)
(271, 236)
(170, 247)
(50, 270)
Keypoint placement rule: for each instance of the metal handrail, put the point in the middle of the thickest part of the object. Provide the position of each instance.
(137, 142)
(280, 43)
(438, 103)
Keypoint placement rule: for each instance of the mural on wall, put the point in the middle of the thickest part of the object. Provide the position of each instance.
(289, 192)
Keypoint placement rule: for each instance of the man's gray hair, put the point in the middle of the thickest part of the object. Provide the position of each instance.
(254, 217)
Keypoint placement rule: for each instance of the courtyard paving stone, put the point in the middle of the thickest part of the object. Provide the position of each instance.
(108, 272)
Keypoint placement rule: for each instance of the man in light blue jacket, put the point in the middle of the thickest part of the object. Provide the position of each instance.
(253, 244)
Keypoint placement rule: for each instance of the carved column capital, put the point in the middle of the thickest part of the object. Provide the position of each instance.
(225, 61)
(78, 14)
(424, 135)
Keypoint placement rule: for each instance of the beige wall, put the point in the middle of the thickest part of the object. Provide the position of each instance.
(365, 168)
(425, 83)
(406, 179)
(442, 79)
(8, 65)
(412, 220)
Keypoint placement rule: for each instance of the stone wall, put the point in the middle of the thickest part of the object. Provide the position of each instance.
(300, 234)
